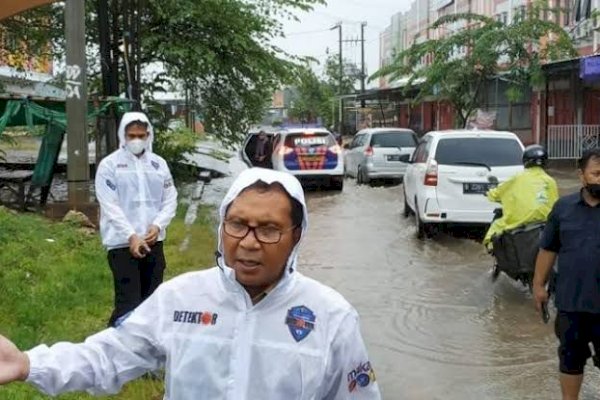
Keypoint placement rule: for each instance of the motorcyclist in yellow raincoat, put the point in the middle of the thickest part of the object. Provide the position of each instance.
(526, 198)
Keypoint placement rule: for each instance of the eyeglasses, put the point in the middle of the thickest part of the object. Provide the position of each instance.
(264, 234)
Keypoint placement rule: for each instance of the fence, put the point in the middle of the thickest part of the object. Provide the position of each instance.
(569, 141)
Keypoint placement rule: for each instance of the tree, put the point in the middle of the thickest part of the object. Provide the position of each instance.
(317, 96)
(332, 75)
(220, 49)
(313, 98)
(457, 67)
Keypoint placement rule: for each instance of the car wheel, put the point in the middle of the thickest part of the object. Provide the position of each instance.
(406, 211)
(337, 184)
(363, 180)
(423, 230)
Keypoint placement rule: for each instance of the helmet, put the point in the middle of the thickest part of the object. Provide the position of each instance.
(535, 156)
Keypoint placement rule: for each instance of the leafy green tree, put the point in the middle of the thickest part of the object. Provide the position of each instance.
(332, 75)
(220, 49)
(317, 97)
(461, 64)
(312, 98)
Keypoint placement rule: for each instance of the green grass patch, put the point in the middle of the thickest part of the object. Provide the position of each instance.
(55, 285)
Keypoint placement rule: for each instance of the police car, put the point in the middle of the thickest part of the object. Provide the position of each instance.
(310, 154)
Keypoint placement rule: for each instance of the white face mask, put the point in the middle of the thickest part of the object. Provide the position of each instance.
(136, 146)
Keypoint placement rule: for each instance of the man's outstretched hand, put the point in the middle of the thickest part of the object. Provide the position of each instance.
(14, 364)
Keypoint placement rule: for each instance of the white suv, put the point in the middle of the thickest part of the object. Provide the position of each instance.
(450, 172)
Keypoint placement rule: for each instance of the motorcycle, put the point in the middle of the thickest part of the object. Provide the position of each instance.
(515, 251)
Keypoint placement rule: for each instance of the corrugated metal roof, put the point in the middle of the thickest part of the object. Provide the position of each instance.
(13, 7)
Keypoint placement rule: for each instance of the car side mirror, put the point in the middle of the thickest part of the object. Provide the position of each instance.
(405, 158)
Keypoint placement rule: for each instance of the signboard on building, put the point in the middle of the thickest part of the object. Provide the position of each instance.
(439, 4)
(589, 69)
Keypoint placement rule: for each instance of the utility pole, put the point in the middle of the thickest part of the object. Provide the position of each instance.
(363, 75)
(78, 167)
(340, 78)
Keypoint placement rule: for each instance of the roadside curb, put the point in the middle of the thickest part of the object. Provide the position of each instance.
(194, 202)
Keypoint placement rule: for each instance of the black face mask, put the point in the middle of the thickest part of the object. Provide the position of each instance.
(593, 189)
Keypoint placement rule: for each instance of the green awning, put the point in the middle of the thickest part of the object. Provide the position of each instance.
(27, 112)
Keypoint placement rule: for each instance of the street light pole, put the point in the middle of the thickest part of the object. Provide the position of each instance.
(78, 168)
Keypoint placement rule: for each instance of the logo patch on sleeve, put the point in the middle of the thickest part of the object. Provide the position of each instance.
(300, 321)
(361, 377)
(111, 185)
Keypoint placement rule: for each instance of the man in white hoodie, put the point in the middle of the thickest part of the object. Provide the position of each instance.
(251, 328)
(137, 200)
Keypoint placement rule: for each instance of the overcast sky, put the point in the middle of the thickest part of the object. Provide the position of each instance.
(312, 37)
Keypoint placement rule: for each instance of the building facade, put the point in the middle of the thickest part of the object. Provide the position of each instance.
(529, 118)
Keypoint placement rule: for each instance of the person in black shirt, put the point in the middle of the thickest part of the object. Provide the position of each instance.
(572, 234)
(262, 155)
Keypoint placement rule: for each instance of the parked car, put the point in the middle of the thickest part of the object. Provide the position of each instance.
(310, 154)
(249, 153)
(380, 153)
(450, 173)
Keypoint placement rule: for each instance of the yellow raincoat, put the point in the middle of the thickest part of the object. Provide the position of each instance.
(526, 198)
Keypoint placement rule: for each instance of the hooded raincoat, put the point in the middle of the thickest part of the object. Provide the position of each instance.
(134, 192)
(302, 341)
(526, 198)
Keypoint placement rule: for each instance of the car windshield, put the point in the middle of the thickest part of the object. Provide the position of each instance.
(492, 152)
(309, 140)
(394, 139)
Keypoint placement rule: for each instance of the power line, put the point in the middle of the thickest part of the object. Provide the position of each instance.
(306, 32)
(336, 18)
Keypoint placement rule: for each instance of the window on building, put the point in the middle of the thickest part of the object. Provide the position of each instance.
(558, 11)
(582, 9)
(520, 13)
(523, 11)
(567, 12)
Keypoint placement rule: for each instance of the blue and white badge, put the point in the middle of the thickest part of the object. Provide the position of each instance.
(300, 321)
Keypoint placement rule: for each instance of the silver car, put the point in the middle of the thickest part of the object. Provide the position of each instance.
(379, 153)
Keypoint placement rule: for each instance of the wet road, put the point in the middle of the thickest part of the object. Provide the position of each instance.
(435, 325)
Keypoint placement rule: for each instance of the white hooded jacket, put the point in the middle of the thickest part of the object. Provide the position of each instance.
(300, 342)
(134, 192)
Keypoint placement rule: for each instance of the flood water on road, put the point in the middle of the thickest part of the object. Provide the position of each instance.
(435, 324)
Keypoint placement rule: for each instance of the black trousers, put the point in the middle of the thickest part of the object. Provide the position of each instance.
(134, 279)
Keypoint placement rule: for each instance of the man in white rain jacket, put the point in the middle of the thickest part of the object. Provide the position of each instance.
(252, 328)
(137, 200)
